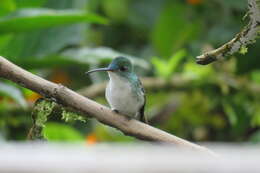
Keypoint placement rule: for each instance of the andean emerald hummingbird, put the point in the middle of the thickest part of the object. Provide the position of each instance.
(124, 92)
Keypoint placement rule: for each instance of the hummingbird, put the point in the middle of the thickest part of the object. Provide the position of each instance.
(124, 92)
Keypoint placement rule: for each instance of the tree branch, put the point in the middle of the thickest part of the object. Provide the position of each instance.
(177, 83)
(247, 36)
(90, 108)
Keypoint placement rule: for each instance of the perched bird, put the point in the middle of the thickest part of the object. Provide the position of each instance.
(124, 92)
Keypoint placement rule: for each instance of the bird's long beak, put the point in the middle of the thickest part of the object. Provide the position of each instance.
(99, 69)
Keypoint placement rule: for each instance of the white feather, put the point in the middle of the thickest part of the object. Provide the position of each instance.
(120, 95)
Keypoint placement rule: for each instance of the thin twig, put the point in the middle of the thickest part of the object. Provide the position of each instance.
(177, 83)
(247, 36)
(90, 108)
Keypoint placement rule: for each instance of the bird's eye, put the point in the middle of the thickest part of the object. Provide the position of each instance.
(123, 68)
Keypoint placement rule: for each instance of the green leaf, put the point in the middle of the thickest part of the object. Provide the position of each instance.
(176, 59)
(60, 132)
(7, 6)
(31, 19)
(243, 50)
(160, 67)
(41, 43)
(13, 92)
(46, 41)
(165, 68)
(172, 31)
(116, 9)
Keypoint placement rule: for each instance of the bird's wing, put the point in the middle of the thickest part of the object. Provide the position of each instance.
(141, 111)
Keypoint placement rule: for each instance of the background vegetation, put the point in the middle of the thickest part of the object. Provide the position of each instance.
(60, 40)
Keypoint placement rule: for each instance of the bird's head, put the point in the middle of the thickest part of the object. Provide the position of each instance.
(119, 66)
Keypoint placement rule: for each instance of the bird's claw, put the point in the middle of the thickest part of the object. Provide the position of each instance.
(115, 110)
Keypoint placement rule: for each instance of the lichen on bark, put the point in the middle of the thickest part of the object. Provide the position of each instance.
(246, 36)
(42, 110)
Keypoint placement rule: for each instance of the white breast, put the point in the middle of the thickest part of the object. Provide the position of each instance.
(121, 97)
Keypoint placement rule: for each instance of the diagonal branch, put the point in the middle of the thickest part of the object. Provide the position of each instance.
(90, 108)
(247, 36)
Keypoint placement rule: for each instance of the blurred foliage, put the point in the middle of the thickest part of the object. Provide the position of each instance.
(31, 19)
(60, 40)
(13, 92)
(57, 132)
(165, 68)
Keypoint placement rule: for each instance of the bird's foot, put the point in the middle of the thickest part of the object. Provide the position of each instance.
(128, 117)
(115, 110)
